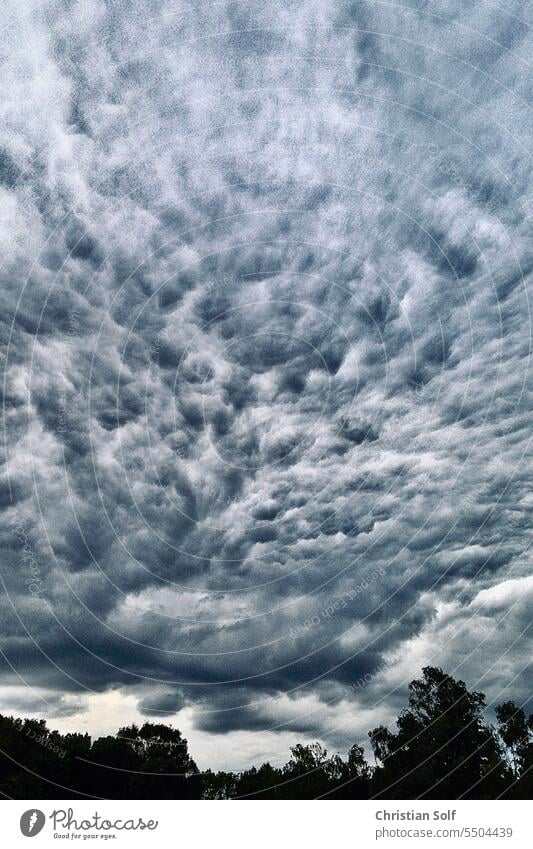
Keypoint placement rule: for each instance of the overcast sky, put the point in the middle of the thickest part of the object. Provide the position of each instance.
(265, 274)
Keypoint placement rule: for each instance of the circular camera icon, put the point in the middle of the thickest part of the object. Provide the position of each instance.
(32, 822)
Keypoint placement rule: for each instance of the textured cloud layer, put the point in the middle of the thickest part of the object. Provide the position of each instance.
(266, 338)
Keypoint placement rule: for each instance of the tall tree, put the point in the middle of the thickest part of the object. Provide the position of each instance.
(516, 733)
(166, 770)
(442, 748)
(266, 782)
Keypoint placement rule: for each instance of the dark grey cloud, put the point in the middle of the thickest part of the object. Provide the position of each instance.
(161, 703)
(266, 335)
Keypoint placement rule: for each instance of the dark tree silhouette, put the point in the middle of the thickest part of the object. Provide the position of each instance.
(356, 776)
(309, 774)
(36, 762)
(264, 783)
(151, 762)
(219, 785)
(441, 748)
(516, 733)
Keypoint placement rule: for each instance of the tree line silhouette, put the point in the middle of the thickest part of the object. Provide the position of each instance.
(441, 748)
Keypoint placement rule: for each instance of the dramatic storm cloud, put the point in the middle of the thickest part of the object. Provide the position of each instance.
(265, 273)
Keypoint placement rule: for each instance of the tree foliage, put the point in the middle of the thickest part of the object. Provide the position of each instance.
(441, 747)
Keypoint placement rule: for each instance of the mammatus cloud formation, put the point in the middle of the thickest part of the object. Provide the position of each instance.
(266, 333)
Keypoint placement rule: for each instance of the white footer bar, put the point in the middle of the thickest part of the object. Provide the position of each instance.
(267, 824)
